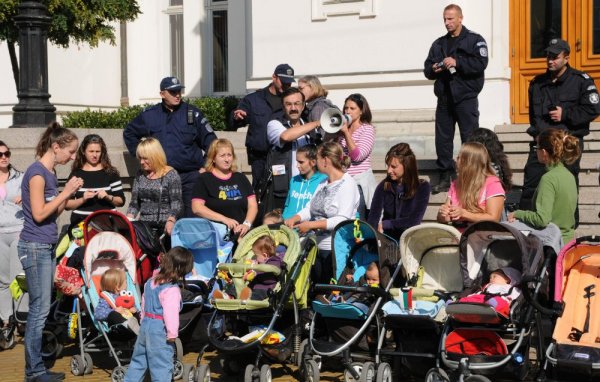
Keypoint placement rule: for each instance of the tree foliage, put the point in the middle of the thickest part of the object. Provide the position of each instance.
(79, 21)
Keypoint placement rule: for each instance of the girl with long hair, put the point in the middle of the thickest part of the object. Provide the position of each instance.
(42, 203)
(103, 189)
(400, 200)
(477, 193)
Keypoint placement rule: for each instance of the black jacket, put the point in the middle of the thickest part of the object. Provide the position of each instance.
(574, 91)
(471, 54)
(258, 114)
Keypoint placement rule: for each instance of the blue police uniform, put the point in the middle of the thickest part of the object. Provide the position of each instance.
(457, 92)
(258, 114)
(184, 134)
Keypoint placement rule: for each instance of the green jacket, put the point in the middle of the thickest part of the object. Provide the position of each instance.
(555, 201)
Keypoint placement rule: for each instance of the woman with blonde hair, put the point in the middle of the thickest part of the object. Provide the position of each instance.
(156, 194)
(555, 198)
(222, 194)
(477, 193)
(316, 98)
(334, 201)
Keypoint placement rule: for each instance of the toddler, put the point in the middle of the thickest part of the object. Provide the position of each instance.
(500, 291)
(114, 291)
(259, 283)
(161, 303)
(273, 217)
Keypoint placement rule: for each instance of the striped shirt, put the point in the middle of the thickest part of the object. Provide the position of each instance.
(96, 181)
(364, 138)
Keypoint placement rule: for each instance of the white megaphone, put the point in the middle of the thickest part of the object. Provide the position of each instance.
(332, 120)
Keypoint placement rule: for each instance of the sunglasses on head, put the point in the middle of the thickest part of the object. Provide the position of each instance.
(5, 154)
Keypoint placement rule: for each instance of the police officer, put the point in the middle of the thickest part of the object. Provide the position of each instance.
(563, 98)
(181, 129)
(456, 62)
(256, 110)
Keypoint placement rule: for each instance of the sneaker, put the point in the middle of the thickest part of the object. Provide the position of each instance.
(443, 185)
(219, 295)
(56, 374)
(49, 376)
(246, 293)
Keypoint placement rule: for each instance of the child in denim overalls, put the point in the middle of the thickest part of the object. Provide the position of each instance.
(160, 319)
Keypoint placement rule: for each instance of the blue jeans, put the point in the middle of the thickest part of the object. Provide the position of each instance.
(152, 352)
(38, 263)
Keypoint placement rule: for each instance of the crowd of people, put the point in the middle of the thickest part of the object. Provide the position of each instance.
(317, 179)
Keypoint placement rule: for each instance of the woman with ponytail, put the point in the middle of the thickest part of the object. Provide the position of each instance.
(555, 198)
(334, 201)
(42, 203)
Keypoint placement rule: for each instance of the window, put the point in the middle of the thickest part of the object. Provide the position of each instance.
(175, 12)
(545, 25)
(217, 11)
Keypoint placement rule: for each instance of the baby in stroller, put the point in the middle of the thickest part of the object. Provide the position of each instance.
(117, 305)
(500, 291)
(259, 283)
(360, 300)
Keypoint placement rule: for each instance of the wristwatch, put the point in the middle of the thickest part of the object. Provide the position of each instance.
(247, 223)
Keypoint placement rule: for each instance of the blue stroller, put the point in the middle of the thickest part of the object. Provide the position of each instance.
(352, 314)
(205, 240)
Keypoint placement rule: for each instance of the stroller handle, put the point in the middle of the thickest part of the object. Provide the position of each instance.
(379, 292)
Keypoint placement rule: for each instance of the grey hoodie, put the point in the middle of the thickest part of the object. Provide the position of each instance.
(11, 214)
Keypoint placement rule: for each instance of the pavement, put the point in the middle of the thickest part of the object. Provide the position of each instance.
(12, 363)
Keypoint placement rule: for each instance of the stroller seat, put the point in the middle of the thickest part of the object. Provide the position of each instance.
(475, 313)
(341, 310)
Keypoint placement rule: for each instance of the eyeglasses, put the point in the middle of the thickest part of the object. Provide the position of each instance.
(290, 104)
(536, 147)
(174, 92)
(5, 154)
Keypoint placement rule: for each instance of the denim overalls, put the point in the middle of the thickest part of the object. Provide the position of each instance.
(152, 351)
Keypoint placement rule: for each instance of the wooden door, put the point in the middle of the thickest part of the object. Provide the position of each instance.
(535, 22)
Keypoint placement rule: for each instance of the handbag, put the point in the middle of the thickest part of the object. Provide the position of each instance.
(149, 234)
(67, 279)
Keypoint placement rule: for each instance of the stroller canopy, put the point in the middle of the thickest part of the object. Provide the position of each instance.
(108, 250)
(487, 246)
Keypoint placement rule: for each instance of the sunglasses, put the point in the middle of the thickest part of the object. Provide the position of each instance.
(5, 154)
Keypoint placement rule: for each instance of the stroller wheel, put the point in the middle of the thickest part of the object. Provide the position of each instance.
(89, 364)
(358, 367)
(118, 374)
(202, 374)
(477, 378)
(177, 369)
(384, 373)
(436, 375)
(250, 373)
(7, 338)
(188, 373)
(265, 373)
(311, 371)
(51, 349)
(302, 352)
(368, 372)
(178, 349)
(77, 365)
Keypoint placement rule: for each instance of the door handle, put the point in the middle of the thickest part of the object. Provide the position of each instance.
(578, 45)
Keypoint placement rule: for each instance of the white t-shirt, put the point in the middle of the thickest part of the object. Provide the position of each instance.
(274, 131)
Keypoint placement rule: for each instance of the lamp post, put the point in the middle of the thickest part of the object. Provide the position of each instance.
(34, 108)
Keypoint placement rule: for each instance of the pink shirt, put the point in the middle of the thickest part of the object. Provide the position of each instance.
(364, 137)
(491, 188)
(170, 299)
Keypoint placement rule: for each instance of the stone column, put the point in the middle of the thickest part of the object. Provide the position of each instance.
(34, 108)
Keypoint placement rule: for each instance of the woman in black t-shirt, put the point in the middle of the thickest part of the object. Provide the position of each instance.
(222, 194)
(102, 188)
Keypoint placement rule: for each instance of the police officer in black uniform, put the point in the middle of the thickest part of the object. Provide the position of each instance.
(256, 110)
(456, 62)
(181, 129)
(563, 98)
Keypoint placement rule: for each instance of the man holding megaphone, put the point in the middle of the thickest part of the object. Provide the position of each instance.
(285, 136)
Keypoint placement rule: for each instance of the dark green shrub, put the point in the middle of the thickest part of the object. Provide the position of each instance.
(216, 110)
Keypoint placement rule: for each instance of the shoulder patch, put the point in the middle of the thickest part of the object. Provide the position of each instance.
(594, 98)
(481, 43)
(591, 87)
(483, 52)
(585, 75)
(207, 125)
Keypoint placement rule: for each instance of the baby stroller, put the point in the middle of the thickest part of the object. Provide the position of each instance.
(575, 348)
(431, 267)
(353, 324)
(477, 340)
(272, 326)
(114, 221)
(203, 239)
(105, 250)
